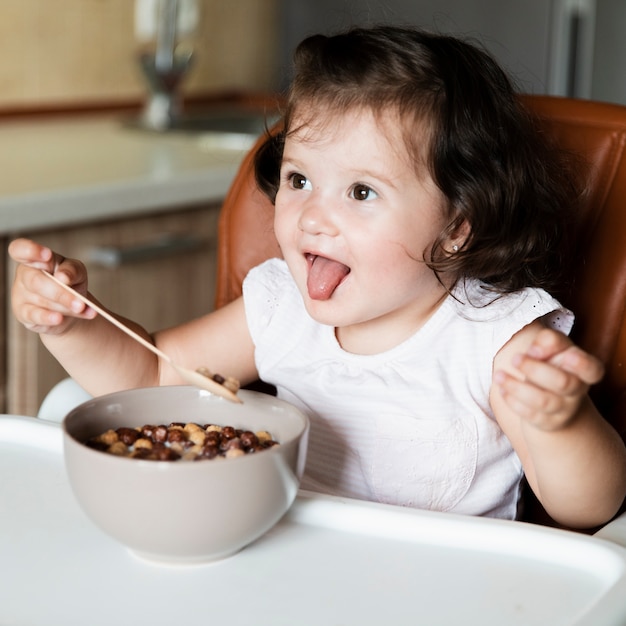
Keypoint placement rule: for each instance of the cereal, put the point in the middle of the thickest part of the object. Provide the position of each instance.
(181, 441)
(127, 435)
(197, 437)
(230, 383)
(118, 448)
(109, 437)
(233, 453)
(263, 436)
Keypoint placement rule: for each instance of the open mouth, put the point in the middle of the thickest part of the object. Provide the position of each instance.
(325, 275)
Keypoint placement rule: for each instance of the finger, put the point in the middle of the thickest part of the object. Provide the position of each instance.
(558, 349)
(538, 406)
(31, 253)
(70, 272)
(38, 318)
(46, 294)
(40, 313)
(576, 361)
(59, 299)
(549, 376)
(58, 260)
(530, 395)
(547, 344)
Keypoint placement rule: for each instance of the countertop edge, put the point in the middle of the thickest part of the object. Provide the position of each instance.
(67, 207)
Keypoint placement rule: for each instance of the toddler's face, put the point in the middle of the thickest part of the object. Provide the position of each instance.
(353, 219)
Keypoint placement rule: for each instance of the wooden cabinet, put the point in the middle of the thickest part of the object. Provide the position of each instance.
(158, 270)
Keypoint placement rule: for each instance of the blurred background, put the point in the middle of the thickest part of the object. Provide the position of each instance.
(560, 47)
(123, 124)
(84, 52)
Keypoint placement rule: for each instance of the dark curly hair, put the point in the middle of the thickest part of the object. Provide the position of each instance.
(483, 148)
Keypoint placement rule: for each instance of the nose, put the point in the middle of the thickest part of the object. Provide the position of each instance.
(317, 218)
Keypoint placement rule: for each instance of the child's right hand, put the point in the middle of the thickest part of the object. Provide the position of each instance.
(38, 303)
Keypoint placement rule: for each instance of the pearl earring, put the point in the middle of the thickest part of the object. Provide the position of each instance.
(455, 248)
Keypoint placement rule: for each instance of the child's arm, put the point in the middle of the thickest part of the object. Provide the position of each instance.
(97, 354)
(574, 460)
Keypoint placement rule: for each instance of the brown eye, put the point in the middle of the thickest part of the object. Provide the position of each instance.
(363, 192)
(298, 181)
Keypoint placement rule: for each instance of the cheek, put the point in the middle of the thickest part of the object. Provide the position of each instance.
(282, 221)
(394, 262)
(390, 259)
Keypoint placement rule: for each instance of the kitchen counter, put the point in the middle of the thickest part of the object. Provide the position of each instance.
(64, 171)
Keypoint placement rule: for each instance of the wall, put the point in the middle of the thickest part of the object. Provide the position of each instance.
(82, 52)
(609, 65)
(529, 37)
(515, 32)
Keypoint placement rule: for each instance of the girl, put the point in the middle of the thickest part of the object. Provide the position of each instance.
(419, 216)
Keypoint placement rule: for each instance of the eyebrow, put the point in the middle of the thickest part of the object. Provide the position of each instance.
(378, 176)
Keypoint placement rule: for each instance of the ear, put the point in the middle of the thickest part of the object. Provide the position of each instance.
(459, 236)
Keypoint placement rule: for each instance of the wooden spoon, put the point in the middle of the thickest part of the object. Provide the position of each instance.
(193, 378)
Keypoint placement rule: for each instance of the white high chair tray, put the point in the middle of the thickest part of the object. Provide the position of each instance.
(330, 561)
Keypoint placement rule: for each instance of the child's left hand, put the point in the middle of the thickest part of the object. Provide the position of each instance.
(573, 459)
(550, 380)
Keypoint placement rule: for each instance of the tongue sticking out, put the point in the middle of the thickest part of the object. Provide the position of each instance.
(324, 277)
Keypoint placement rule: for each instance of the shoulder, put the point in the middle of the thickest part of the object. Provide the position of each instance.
(486, 302)
(477, 302)
(267, 281)
(270, 295)
(272, 272)
(493, 327)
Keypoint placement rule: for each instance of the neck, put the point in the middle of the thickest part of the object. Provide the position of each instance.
(386, 332)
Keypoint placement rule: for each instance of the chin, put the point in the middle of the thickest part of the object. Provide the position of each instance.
(329, 312)
(322, 311)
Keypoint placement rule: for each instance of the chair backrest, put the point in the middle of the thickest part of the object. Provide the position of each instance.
(596, 131)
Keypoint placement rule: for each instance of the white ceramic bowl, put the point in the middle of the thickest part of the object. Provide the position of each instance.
(185, 511)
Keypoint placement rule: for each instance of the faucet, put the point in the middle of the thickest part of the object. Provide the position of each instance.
(164, 70)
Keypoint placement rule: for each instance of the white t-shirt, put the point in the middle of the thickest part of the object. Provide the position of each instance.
(411, 426)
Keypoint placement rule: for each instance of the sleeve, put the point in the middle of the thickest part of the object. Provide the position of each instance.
(496, 321)
(262, 288)
(528, 306)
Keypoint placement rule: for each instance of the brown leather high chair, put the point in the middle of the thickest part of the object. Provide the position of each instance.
(597, 131)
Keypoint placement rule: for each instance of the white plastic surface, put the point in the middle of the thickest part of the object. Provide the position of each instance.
(329, 562)
(61, 399)
(615, 531)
